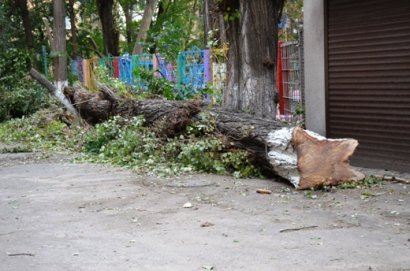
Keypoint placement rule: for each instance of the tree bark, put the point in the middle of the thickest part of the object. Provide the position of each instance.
(252, 35)
(74, 42)
(110, 32)
(59, 40)
(144, 27)
(25, 15)
(213, 20)
(127, 9)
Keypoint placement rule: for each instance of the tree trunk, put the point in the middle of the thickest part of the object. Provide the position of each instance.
(252, 35)
(305, 159)
(109, 28)
(22, 6)
(25, 15)
(213, 20)
(127, 9)
(302, 157)
(144, 27)
(73, 28)
(60, 53)
(59, 40)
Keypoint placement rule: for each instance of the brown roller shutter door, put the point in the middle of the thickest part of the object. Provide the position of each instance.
(368, 79)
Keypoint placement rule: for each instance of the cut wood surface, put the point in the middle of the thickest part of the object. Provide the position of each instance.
(301, 157)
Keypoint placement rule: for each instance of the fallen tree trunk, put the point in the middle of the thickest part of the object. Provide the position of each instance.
(302, 157)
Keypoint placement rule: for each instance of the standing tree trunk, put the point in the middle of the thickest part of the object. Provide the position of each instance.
(252, 37)
(144, 27)
(59, 40)
(22, 6)
(73, 28)
(213, 20)
(109, 29)
(25, 15)
(60, 53)
(127, 9)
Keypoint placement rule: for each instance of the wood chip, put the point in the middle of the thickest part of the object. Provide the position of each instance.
(264, 191)
(206, 224)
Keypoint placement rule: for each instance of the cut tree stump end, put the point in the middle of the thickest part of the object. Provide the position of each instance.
(323, 161)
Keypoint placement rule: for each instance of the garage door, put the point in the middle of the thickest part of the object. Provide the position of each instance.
(368, 79)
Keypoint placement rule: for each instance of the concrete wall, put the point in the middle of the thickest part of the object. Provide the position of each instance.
(314, 66)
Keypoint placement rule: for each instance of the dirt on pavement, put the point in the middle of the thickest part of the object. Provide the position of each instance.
(56, 215)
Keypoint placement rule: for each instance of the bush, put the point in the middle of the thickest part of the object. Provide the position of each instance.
(19, 96)
(127, 142)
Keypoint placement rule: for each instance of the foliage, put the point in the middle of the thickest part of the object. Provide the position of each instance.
(14, 64)
(7, 29)
(19, 95)
(293, 14)
(177, 27)
(156, 85)
(129, 143)
(42, 131)
(103, 77)
(369, 181)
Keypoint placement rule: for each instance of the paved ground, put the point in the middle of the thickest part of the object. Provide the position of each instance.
(60, 216)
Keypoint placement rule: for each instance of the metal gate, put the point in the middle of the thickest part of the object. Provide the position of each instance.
(292, 91)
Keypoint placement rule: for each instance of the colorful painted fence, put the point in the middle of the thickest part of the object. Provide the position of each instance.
(192, 71)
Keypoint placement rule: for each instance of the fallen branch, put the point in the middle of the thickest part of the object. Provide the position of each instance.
(393, 179)
(20, 254)
(298, 229)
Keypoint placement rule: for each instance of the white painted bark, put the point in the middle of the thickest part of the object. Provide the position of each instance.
(282, 156)
(59, 94)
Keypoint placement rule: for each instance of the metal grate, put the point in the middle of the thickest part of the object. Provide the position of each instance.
(292, 82)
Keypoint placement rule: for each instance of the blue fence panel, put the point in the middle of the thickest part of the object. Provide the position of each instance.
(74, 67)
(193, 70)
(140, 61)
(164, 68)
(126, 69)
